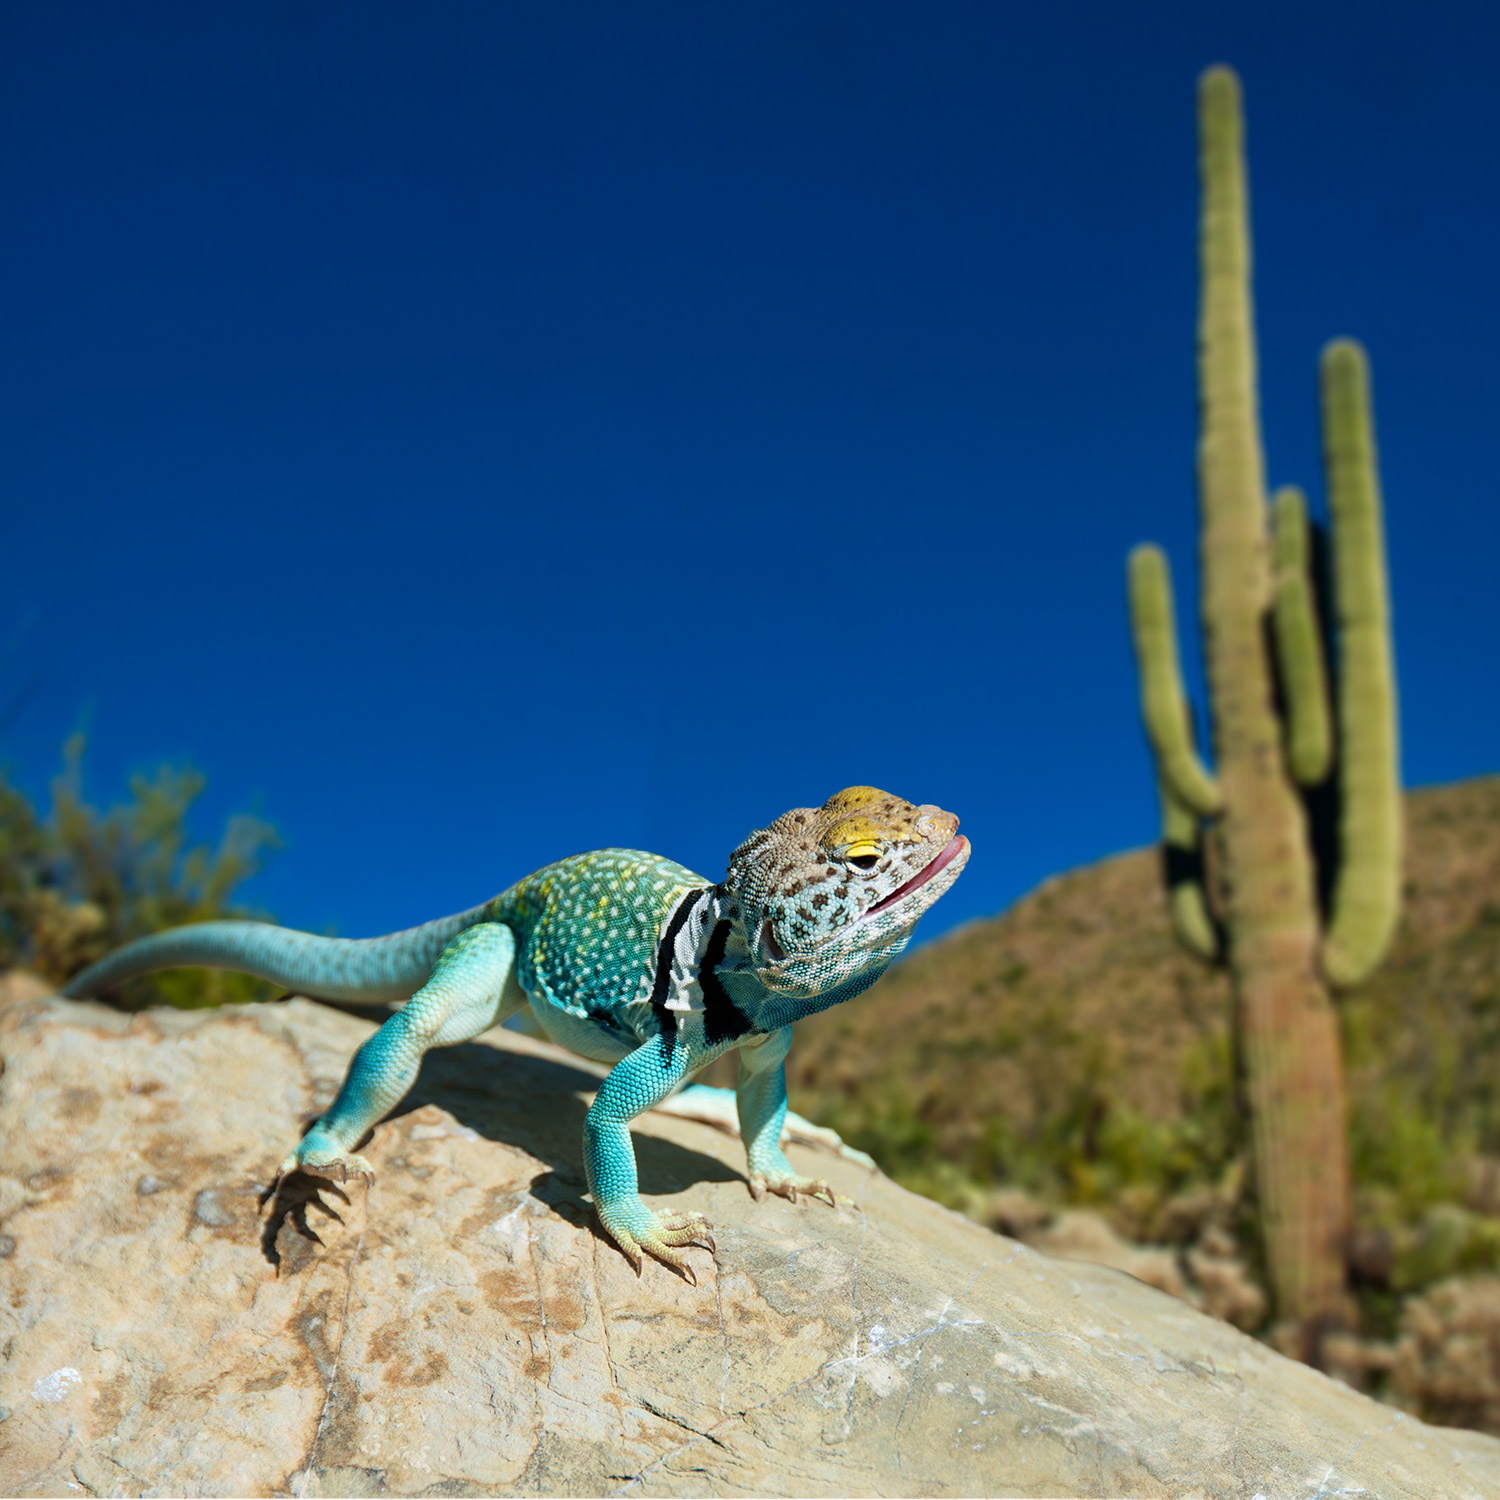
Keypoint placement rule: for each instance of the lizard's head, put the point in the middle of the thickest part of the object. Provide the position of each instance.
(828, 892)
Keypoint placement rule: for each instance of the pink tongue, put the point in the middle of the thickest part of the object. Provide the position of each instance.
(923, 876)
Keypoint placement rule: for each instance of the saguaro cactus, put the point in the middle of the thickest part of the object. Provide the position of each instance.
(1273, 736)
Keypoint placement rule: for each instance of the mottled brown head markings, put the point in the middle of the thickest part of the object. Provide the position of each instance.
(854, 874)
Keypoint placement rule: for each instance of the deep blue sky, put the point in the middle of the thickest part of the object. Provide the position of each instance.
(475, 432)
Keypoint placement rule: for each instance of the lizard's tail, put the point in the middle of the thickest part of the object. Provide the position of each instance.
(383, 968)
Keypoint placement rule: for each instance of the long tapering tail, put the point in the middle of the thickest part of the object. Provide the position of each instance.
(393, 967)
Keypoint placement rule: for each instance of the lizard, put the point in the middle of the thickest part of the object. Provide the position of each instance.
(626, 958)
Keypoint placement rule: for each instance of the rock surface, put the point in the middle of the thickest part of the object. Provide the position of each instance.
(463, 1329)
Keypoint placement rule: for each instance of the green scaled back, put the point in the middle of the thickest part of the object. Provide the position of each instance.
(588, 927)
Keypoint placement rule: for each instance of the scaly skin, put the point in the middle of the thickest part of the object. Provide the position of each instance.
(626, 958)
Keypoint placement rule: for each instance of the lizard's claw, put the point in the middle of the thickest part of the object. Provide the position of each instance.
(660, 1236)
(325, 1163)
(788, 1185)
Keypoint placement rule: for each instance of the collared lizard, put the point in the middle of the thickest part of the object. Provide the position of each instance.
(626, 958)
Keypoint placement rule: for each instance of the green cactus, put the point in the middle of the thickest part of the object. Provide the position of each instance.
(1299, 644)
(1162, 705)
(1182, 866)
(1268, 929)
(1187, 790)
(1367, 896)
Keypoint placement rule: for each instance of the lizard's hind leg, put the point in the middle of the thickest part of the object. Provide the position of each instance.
(468, 991)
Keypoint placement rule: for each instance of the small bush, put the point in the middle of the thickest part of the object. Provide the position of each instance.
(79, 881)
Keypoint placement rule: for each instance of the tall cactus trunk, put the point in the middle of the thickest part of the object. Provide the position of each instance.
(1268, 771)
(1288, 1027)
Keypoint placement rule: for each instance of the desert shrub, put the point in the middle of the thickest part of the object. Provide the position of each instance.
(79, 881)
(1447, 1360)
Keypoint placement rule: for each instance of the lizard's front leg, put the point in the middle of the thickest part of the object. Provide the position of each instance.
(464, 995)
(760, 1093)
(635, 1084)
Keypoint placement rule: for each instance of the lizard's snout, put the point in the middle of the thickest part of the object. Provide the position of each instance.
(934, 823)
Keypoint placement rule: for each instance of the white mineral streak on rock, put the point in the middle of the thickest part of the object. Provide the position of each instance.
(58, 1384)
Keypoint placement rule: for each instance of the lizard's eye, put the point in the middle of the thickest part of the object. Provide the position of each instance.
(862, 856)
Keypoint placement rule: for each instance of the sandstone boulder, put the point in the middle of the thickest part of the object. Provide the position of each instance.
(463, 1329)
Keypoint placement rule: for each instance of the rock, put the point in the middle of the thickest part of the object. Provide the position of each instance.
(464, 1329)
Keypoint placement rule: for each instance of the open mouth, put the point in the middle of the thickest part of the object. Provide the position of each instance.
(954, 847)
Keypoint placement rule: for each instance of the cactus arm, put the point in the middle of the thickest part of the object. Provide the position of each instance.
(1182, 865)
(1153, 626)
(1299, 644)
(1367, 893)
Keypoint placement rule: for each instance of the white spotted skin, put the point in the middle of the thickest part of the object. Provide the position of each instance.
(587, 930)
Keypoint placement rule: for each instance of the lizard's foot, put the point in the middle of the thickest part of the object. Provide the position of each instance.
(788, 1185)
(320, 1156)
(660, 1236)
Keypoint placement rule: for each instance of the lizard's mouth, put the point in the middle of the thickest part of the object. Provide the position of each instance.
(955, 846)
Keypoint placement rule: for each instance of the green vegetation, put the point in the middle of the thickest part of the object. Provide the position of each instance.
(1268, 679)
(77, 882)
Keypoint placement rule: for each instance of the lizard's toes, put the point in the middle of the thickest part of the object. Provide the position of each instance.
(687, 1229)
(788, 1186)
(676, 1230)
(662, 1236)
(341, 1165)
